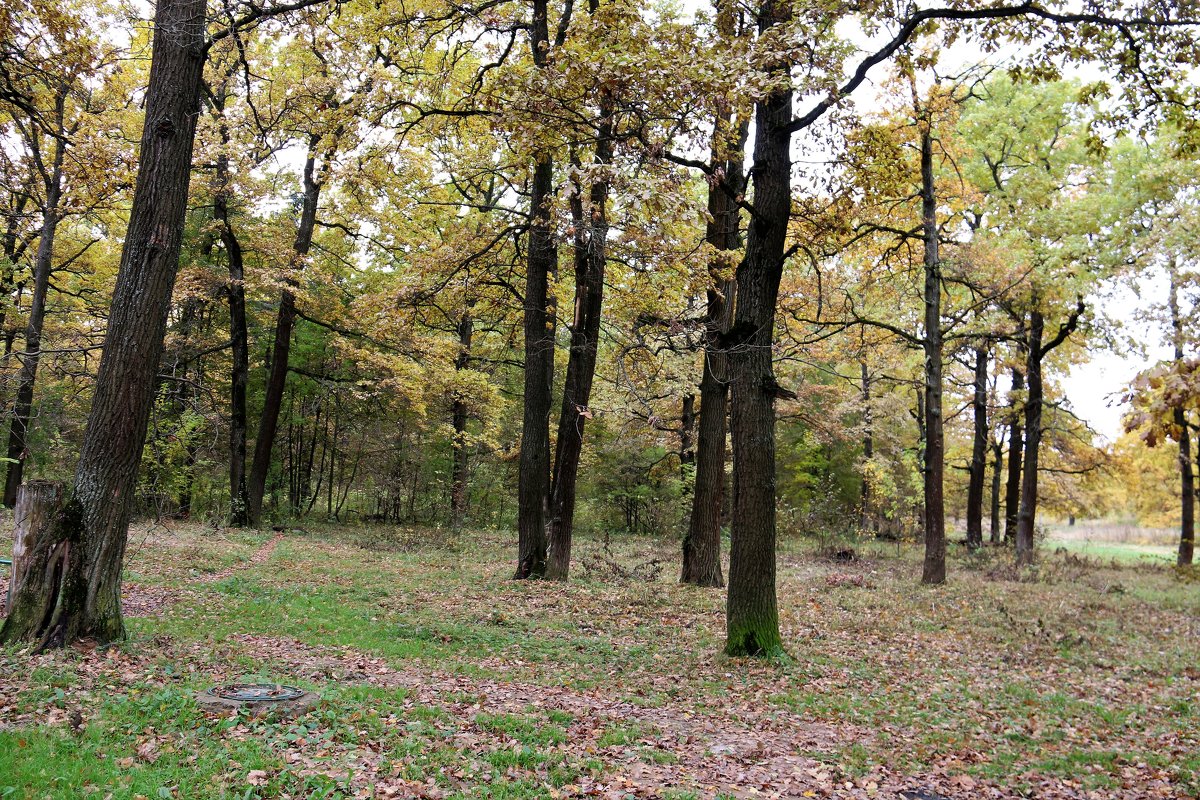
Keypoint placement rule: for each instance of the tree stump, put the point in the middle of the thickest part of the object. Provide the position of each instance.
(37, 501)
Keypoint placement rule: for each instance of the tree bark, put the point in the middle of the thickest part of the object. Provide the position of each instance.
(183, 395)
(458, 480)
(687, 435)
(533, 489)
(978, 452)
(752, 615)
(1187, 490)
(1016, 448)
(18, 449)
(934, 571)
(591, 253)
(239, 375)
(268, 423)
(997, 466)
(37, 503)
(1033, 439)
(919, 505)
(87, 538)
(1187, 482)
(1027, 517)
(702, 542)
(868, 446)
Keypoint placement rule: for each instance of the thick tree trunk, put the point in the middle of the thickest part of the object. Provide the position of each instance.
(1033, 440)
(934, 571)
(268, 422)
(18, 449)
(752, 615)
(978, 452)
(460, 412)
(1187, 482)
(1016, 452)
(591, 253)
(533, 489)
(88, 536)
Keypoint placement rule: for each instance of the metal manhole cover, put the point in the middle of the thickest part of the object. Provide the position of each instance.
(256, 692)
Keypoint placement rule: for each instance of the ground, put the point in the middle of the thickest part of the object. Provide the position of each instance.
(441, 677)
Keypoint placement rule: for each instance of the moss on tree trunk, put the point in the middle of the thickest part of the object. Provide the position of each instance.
(65, 591)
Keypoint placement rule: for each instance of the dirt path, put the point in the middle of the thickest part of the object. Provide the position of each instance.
(260, 556)
(142, 600)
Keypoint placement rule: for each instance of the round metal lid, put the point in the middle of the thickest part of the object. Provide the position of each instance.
(256, 692)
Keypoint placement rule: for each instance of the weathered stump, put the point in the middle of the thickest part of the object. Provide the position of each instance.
(37, 501)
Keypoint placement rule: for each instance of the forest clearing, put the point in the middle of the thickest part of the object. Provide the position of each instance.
(651, 398)
(441, 677)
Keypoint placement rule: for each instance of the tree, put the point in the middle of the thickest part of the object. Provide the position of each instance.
(979, 447)
(72, 589)
(1155, 182)
(70, 98)
(1032, 162)
(589, 217)
(542, 261)
(702, 541)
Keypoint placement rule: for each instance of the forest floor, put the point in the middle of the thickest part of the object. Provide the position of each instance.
(440, 677)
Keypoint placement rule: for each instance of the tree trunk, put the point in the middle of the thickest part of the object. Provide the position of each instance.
(18, 449)
(702, 542)
(934, 571)
(458, 480)
(37, 503)
(866, 519)
(1187, 489)
(1033, 440)
(591, 253)
(13, 244)
(997, 466)
(239, 376)
(752, 615)
(268, 423)
(919, 505)
(1027, 517)
(978, 452)
(87, 537)
(687, 436)
(180, 399)
(533, 489)
(1187, 483)
(1016, 448)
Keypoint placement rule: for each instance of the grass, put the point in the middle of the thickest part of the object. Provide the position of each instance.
(1116, 551)
(442, 677)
